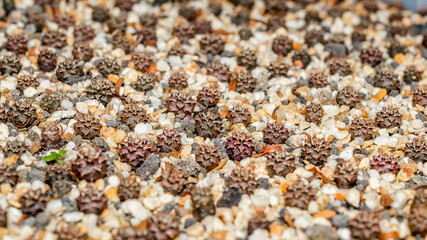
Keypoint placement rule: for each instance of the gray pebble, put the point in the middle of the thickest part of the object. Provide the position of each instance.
(124, 127)
(61, 187)
(195, 147)
(335, 150)
(101, 144)
(219, 143)
(424, 52)
(13, 133)
(394, 93)
(245, 34)
(361, 184)
(36, 174)
(263, 183)
(149, 167)
(318, 231)
(45, 114)
(112, 123)
(340, 221)
(78, 140)
(69, 204)
(336, 49)
(23, 174)
(188, 127)
(420, 116)
(30, 29)
(41, 164)
(346, 121)
(29, 221)
(42, 220)
(16, 93)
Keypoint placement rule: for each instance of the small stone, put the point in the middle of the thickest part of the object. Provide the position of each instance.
(14, 214)
(163, 66)
(319, 231)
(36, 174)
(353, 197)
(340, 221)
(135, 208)
(82, 107)
(143, 128)
(344, 233)
(149, 167)
(260, 198)
(112, 123)
(54, 205)
(417, 123)
(230, 198)
(30, 92)
(73, 216)
(113, 180)
(66, 104)
(41, 220)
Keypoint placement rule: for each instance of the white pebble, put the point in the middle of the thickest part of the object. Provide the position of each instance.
(302, 222)
(381, 141)
(175, 61)
(45, 84)
(353, 197)
(38, 185)
(259, 234)
(70, 146)
(143, 128)
(347, 154)
(135, 208)
(166, 198)
(270, 108)
(82, 107)
(344, 233)
(399, 200)
(371, 200)
(274, 201)
(49, 236)
(301, 172)
(151, 203)
(417, 123)
(374, 173)
(288, 233)
(54, 205)
(163, 66)
(13, 214)
(313, 207)
(260, 198)
(374, 183)
(67, 114)
(11, 85)
(66, 104)
(73, 216)
(331, 110)
(329, 189)
(4, 131)
(30, 91)
(114, 180)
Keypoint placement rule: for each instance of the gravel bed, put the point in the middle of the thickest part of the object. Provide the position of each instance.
(212, 119)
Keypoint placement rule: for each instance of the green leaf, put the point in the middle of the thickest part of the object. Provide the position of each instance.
(62, 152)
(49, 158)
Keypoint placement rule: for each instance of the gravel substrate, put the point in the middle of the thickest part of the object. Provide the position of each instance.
(239, 119)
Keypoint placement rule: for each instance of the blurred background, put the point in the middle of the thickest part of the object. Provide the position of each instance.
(413, 5)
